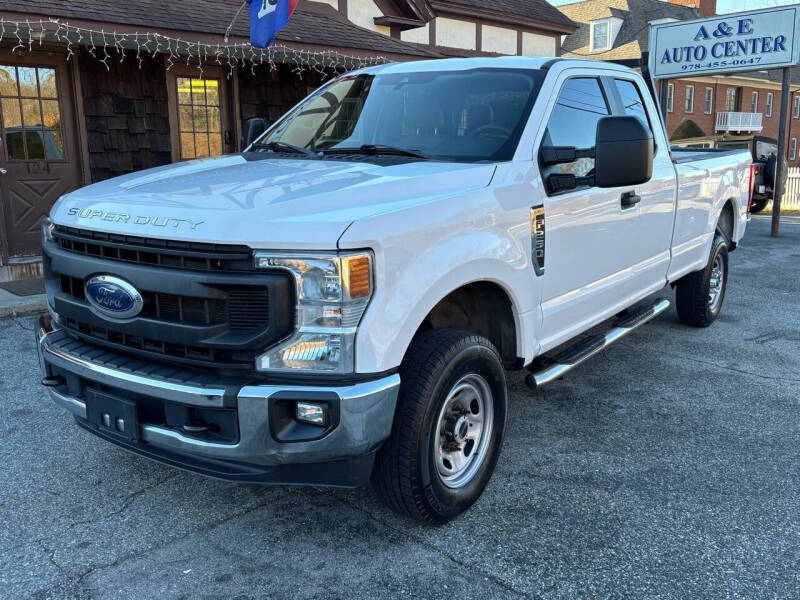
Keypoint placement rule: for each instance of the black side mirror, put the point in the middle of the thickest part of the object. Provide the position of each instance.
(623, 155)
(253, 128)
(623, 152)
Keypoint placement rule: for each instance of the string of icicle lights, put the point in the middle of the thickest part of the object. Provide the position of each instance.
(108, 46)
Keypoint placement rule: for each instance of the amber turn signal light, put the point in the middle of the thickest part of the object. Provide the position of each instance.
(358, 276)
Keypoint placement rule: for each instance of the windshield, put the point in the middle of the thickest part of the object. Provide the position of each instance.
(474, 115)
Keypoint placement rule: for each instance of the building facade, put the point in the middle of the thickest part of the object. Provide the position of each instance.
(94, 90)
(745, 103)
(721, 105)
(464, 27)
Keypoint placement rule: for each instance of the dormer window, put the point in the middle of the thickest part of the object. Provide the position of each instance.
(601, 35)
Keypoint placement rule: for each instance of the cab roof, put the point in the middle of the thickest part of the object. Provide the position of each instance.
(488, 62)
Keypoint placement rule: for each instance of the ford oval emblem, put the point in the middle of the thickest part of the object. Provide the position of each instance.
(113, 297)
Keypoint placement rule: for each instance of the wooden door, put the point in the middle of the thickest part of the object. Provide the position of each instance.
(199, 113)
(38, 151)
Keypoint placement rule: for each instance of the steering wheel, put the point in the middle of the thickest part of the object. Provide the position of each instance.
(491, 129)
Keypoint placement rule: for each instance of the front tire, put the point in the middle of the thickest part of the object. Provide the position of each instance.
(448, 427)
(699, 295)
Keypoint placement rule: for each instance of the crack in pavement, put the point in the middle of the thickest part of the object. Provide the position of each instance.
(127, 501)
(80, 580)
(16, 321)
(717, 365)
(50, 554)
(430, 547)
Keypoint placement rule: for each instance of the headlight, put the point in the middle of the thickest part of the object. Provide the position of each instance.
(47, 230)
(332, 293)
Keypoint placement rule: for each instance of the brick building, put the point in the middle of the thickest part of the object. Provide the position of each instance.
(90, 90)
(745, 103)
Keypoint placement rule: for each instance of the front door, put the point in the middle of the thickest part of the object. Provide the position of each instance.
(586, 245)
(602, 254)
(38, 155)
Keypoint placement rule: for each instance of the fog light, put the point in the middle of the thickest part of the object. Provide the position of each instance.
(309, 412)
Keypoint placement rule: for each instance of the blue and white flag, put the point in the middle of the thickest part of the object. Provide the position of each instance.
(268, 17)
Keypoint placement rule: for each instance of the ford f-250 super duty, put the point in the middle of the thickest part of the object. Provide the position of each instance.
(341, 301)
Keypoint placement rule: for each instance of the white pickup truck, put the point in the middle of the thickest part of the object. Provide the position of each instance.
(340, 302)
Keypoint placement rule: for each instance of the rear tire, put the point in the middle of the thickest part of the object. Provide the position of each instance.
(699, 295)
(759, 204)
(448, 427)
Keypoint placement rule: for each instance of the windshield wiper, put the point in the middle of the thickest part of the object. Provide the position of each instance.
(373, 149)
(283, 147)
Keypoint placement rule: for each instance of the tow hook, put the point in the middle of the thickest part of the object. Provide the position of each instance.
(53, 381)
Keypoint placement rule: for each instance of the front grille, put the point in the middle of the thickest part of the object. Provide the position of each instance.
(156, 252)
(244, 308)
(135, 342)
(208, 311)
(247, 305)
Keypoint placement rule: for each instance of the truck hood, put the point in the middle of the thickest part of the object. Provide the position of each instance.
(264, 202)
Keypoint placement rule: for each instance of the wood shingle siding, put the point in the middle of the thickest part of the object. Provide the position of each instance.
(127, 118)
(269, 94)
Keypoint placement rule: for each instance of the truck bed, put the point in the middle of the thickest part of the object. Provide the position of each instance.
(683, 156)
(707, 179)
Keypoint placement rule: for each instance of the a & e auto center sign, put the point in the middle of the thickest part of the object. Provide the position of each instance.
(747, 41)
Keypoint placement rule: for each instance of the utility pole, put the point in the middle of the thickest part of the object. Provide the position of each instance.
(779, 160)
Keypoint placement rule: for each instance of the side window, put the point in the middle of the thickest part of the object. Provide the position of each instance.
(580, 105)
(632, 101)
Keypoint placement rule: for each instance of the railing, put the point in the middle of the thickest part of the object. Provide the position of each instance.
(738, 121)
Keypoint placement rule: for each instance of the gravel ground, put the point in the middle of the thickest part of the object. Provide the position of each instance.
(666, 467)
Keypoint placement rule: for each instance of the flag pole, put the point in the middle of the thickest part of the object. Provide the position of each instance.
(233, 22)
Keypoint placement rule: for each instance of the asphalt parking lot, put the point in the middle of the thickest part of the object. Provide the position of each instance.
(666, 467)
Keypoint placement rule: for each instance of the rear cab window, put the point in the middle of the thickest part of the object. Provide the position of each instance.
(632, 102)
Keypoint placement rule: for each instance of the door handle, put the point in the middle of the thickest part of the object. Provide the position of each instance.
(629, 199)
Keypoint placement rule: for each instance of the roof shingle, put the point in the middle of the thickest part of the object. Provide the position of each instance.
(631, 40)
(312, 23)
(534, 9)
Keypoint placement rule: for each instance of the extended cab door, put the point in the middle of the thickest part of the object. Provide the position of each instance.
(602, 253)
(652, 230)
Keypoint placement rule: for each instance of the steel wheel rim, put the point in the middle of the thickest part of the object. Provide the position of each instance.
(716, 282)
(463, 431)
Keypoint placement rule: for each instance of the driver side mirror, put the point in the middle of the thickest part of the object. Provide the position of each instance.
(253, 128)
(623, 155)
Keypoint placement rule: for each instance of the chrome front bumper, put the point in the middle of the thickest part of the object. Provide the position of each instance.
(366, 412)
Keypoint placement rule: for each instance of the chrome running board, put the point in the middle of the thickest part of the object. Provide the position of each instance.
(550, 368)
